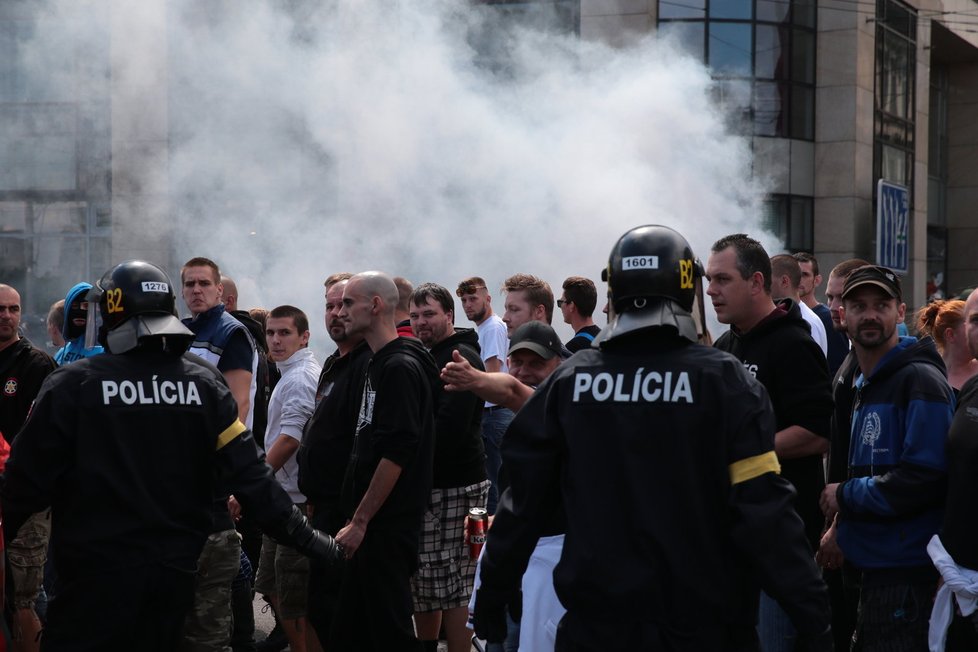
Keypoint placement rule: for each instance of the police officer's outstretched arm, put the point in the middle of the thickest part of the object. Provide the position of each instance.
(765, 527)
(244, 473)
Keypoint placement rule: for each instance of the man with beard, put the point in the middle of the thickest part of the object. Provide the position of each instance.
(443, 583)
(326, 446)
(892, 503)
(388, 477)
(842, 580)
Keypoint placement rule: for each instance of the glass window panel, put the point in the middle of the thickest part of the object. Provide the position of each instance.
(893, 164)
(730, 48)
(774, 216)
(893, 82)
(769, 103)
(682, 9)
(775, 11)
(59, 218)
(803, 12)
(689, 37)
(802, 112)
(101, 252)
(892, 131)
(769, 52)
(733, 98)
(803, 56)
(13, 217)
(730, 9)
(800, 230)
(14, 254)
(103, 217)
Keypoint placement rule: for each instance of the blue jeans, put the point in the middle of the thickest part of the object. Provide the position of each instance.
(495, 420)
(512, 642)
(774, 628)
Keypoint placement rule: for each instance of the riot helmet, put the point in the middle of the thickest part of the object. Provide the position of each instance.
(651, 277)
(136, 301)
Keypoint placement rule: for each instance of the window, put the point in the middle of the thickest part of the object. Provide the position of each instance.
(767, 44)
(896, 64)
(791, 219)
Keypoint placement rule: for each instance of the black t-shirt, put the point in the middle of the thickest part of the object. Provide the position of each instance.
(581, 339)
(460, 454)
(782, 355)
(395, 422)
(960, 530)
(22, 370)
(328, 437)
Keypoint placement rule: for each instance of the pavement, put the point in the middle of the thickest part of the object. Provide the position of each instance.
(265, 621)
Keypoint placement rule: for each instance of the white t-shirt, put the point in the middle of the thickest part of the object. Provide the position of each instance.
(817, 327)
(494, 342)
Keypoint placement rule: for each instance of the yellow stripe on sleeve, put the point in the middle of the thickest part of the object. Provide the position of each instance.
(230, 433)
(751, 467)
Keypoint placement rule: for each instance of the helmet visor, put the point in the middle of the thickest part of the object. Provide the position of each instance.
(94, 317)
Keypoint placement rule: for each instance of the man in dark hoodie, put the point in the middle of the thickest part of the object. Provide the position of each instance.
(893, 501)
(388, 476)
(73, 327)
(23, 367)
(446, 574)
(774, 344)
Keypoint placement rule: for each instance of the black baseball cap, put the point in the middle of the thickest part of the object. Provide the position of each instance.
(537, 337)
(881, 277)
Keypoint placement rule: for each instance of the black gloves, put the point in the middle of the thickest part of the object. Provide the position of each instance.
(824, 642)
(310, 541)
(489, 616)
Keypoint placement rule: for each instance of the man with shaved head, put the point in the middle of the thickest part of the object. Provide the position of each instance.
(388, 476)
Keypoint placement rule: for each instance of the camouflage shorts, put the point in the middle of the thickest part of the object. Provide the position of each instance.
(284, 573)
(208, 625)
(26, 555)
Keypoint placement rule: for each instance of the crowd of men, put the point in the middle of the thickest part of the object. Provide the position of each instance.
(805, 482)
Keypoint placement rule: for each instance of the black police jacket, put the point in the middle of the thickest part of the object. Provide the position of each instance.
(662, 453)
(129, 450)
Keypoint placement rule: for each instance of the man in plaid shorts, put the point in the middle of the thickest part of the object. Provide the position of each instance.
(443, 583)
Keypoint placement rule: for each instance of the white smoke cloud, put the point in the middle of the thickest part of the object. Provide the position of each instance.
(307, 139)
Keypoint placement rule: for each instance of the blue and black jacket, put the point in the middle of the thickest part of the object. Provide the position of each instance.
(893, 501)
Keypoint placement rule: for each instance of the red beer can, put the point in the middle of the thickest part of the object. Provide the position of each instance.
(478, 517)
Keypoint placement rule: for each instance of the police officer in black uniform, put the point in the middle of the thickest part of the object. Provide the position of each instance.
(129, 449)
(662, 452)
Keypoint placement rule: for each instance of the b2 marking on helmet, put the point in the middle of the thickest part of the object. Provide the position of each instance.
(685, 274)
(639, 262)
(113, 300)
(156, 286)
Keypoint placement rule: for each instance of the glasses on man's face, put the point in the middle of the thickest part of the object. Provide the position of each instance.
(561, 302)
